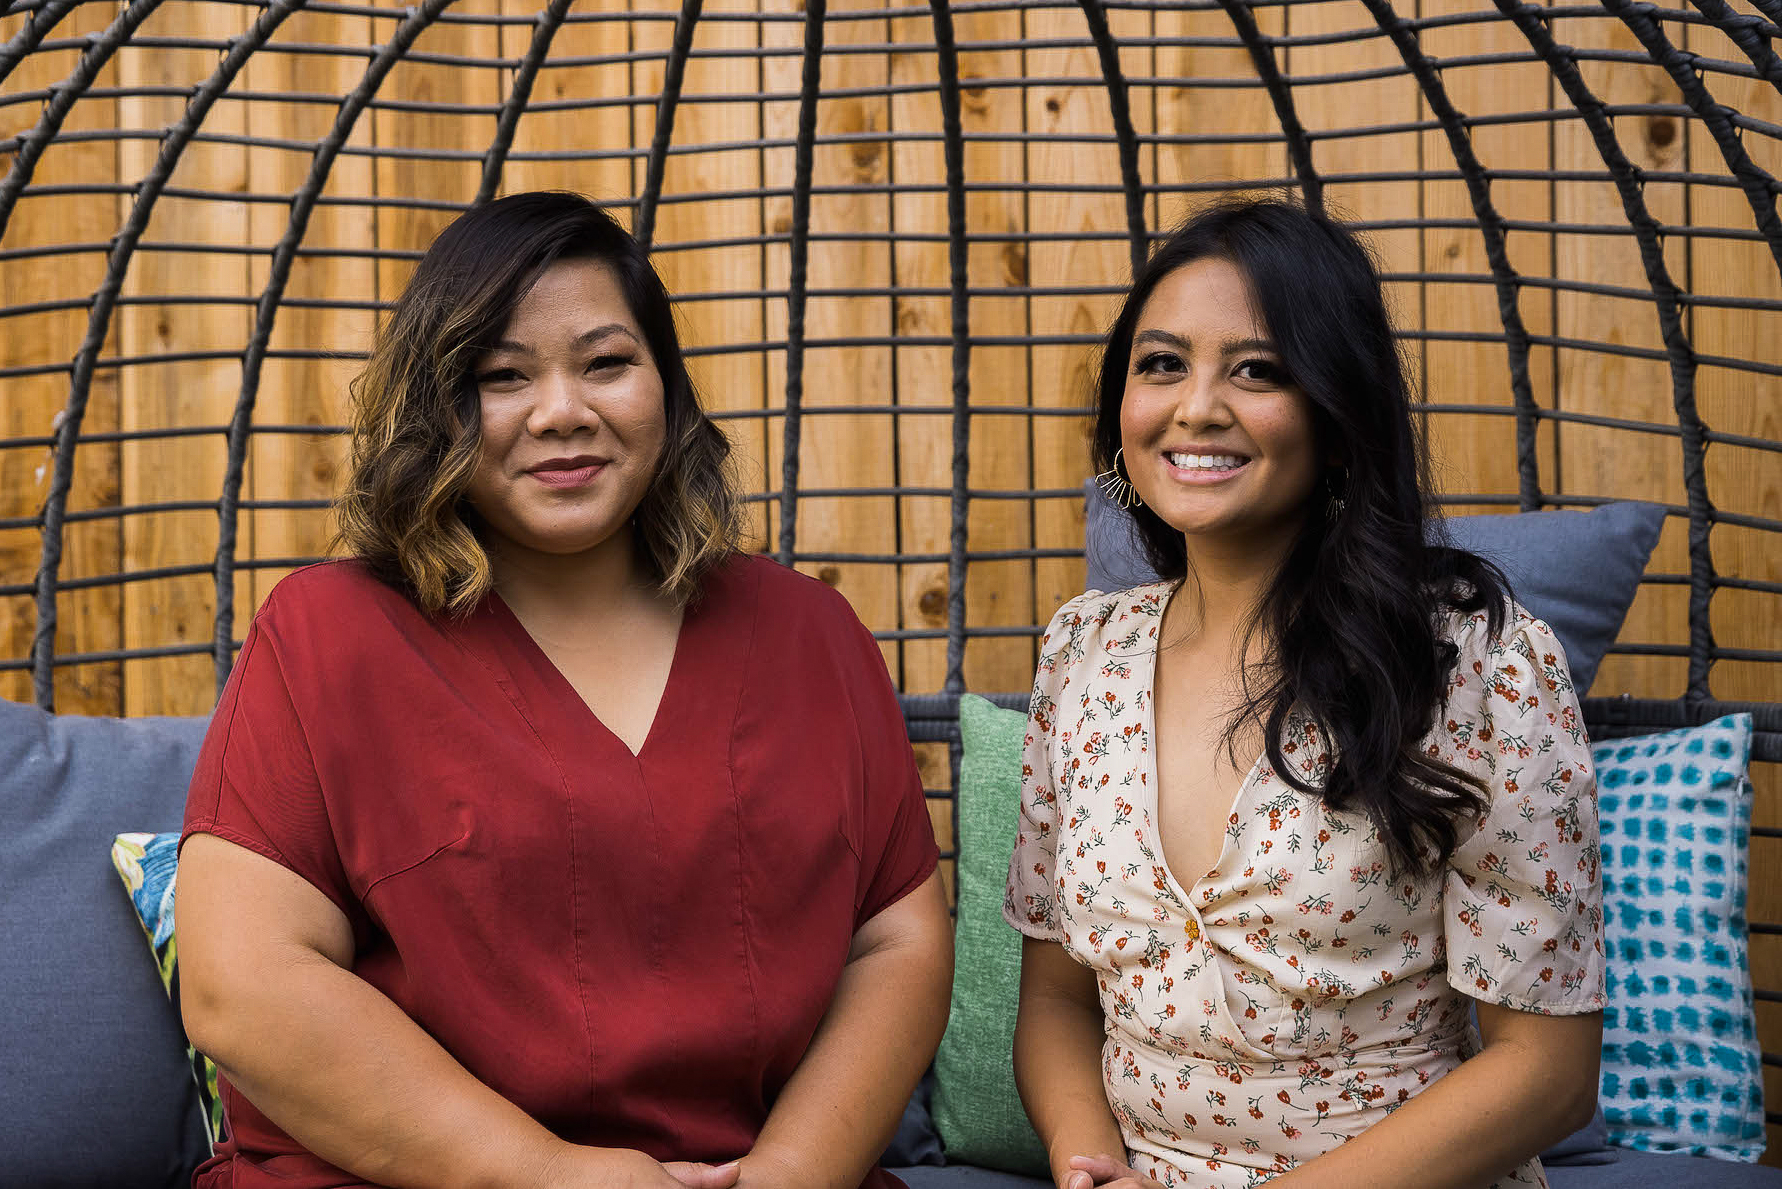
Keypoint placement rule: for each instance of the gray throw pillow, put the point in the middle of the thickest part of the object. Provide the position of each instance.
(1577, 571)
(95, 1090)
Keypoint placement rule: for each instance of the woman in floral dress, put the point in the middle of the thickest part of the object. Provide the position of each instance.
(1292, 817)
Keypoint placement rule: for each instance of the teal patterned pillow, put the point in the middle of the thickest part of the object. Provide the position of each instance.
(1681, 1065)
(147, 864)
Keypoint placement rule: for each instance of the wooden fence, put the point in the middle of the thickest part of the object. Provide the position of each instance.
(1047, 236)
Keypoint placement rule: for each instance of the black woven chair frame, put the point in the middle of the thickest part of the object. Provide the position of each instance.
(932, 717)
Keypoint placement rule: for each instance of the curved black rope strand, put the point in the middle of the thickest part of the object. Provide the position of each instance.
(1125, 138)
(34, 30)
(673, 77)
(958, 264)
(80, 382)
(1262, 57)
(803, 160)
(1770, 8)
(33, 143)
(1759, 187)
(1746, 32)
(1491, 228)
(1665, 296)
(549, 21)
(303, 203)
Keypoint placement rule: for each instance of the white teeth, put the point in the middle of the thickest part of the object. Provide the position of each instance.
(1206, 462)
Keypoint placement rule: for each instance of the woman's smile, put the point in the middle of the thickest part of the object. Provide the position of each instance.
(1187, 466)
(566, 473)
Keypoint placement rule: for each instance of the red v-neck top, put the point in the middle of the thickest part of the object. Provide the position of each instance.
(633, 949)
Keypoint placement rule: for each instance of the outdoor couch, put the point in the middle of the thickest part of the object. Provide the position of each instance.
(97, 1086)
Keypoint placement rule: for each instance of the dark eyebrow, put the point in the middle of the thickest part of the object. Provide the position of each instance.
(1229, 347)
(1160, 336)
(581, 340)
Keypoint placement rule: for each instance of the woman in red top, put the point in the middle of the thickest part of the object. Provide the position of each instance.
(550, 841)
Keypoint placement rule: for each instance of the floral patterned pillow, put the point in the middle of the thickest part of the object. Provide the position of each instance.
(1681, 1066)
(147, 865)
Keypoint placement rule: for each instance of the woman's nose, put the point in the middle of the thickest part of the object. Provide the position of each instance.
(1201, 401)
(558, 406)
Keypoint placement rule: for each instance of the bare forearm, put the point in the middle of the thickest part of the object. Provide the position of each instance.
(352, 1078)
(841, 1107)
(1463, 1132)
(1058, 1044)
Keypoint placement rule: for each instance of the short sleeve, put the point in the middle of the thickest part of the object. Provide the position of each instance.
(255, 783)
(898, 850)
(1030, 904)
(1522, 901)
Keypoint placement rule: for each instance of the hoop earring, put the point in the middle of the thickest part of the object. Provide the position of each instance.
(1116, 486)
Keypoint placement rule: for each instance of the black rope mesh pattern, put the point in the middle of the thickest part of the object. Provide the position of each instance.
(897, 232)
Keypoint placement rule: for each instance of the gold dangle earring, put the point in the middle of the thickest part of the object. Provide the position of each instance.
(1116, 486)
(1336, 490)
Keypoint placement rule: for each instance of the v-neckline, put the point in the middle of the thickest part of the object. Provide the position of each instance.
(563, 689)
(1154, 786)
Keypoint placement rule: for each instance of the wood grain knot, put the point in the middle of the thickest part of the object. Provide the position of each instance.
(933, 603)
(1014, 264)
(909, 316)
(830, 575)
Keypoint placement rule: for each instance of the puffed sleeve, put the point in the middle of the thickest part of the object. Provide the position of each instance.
(1522, 900)
(255, 782)
(1031, 902)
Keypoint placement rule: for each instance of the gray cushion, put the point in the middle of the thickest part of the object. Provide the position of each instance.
(1587, 1145)
(1635, 1170)
(1664, 1170)
(1578, 571)
(94, 1086)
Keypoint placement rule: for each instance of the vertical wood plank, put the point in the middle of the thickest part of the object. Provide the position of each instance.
(306, 391)
(435, 179)
(1348, 106)
(1476, 453)
(1099, 263)
(998, 593)
(1615, 463)
(720, 106)
(552, 126)
(87, 620)
(179, 610)
(924, 374)
(1204, 127)
(1741, 480)
(840, 450)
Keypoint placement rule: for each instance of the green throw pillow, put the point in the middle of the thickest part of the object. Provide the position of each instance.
(976, 1109)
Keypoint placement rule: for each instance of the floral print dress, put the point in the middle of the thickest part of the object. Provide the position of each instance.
(1295, 995)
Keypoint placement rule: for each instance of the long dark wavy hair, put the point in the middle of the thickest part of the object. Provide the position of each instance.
(1352, 620)
(417, 417)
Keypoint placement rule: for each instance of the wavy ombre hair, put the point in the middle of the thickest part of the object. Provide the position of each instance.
(417, 417)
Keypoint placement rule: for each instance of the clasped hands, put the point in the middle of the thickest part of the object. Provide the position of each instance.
(576, 1167)
(1104, 1172)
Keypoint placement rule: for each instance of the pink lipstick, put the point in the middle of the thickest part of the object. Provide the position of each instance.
(568, 472)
